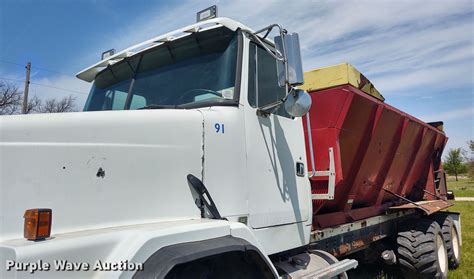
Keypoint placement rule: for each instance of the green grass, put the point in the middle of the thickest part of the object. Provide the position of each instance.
(466, 270)
(464, 187)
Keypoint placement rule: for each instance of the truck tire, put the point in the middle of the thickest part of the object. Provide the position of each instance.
(422, 251)
(451, 238)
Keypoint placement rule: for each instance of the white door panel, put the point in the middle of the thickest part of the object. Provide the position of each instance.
(275, 197)
(275, 143)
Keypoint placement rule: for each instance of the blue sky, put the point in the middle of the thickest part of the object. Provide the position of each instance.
(418, 53)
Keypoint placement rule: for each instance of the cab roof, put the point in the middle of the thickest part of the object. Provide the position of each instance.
(88, 74)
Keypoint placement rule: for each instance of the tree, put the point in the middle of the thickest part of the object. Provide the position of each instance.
(33, 105)
(470, 163)
(11, 102)
(10, 98)
(454, 162)
(66, 104)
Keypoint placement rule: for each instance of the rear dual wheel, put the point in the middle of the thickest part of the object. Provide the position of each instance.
(451, 239)
(422, 251)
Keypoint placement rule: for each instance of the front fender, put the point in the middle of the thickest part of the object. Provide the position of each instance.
(88, 249)
(119, 248)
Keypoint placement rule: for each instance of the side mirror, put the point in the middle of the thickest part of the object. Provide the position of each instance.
(289, 46)
(298, 103)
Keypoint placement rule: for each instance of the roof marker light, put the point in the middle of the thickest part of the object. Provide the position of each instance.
(207, 13)
(108, 53)
(37, 223)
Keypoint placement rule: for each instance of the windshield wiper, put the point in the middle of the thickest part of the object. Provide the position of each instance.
(156, 106)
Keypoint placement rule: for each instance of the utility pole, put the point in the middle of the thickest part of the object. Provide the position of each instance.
(27, 87)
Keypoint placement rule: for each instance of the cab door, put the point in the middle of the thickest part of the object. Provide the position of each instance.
(275, 145)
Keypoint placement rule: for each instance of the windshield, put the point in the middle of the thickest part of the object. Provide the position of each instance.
(197, 69)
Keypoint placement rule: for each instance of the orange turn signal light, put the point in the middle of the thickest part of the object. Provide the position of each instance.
(37, 223)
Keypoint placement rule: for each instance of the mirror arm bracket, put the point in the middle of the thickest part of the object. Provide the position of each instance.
(266, 110)
(270, 108)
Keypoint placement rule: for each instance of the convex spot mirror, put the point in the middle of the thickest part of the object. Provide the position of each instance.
(298, 103)
(289, 46)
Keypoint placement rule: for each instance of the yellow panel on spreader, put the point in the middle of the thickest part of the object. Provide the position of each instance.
(336, 75)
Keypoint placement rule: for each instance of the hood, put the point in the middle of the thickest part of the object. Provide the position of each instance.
(99, 169)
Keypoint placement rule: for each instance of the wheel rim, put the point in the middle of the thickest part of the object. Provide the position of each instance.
(442, 256)
(455, 242)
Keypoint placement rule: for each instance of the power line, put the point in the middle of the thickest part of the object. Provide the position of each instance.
(37, 68)
(19, 80)
(50, 86)
(39, 84)
(51, 71)
(13, 63)
(74, 91)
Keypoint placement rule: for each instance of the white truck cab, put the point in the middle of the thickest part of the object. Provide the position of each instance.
(189, 160)
(204, 101)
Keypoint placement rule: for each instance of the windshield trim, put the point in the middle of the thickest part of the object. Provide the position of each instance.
(239, 65)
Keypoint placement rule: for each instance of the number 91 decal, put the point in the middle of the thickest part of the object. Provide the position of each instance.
(219, 128)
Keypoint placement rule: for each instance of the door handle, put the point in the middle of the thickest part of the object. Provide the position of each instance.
(300, 169)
